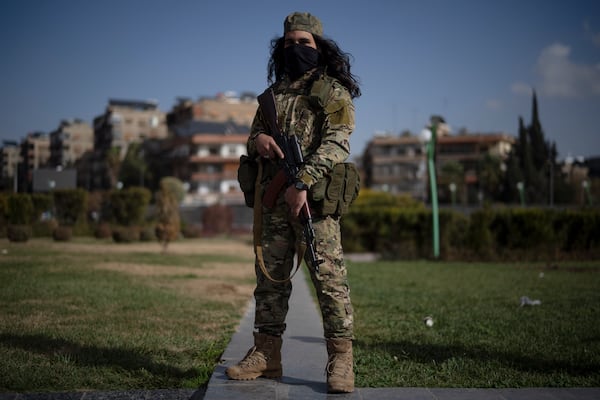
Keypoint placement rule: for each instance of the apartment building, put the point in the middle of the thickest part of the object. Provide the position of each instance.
(69, 142)
(35, 153)
(128, 121)
(209, 136)
(122, 123)
(224, 107)
(397, 164)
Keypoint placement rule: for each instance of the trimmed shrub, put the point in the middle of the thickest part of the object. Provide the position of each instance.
(42, 203)
(3, 214)
(20, 209)
(191, 231)
(147, 234)
(103, 231)
(44, 228)
(18, 233)
(168, 225)
(479, 239)
(126, 234)
(63, 234)
(487, 234)
(128, 206)
(70, 206)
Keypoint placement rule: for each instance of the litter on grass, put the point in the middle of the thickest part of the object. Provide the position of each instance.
(526, 301)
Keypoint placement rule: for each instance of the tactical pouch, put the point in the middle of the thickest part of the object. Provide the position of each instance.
(333, 194)
(247, 173)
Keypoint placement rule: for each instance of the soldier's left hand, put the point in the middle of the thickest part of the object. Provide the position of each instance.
(295, 199)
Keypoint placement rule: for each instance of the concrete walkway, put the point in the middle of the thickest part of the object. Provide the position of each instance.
(304, 357)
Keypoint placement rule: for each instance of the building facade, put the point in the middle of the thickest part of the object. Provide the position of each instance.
(69, 142)
(123, 122)
(397, 164)
(35, 153)
(9, 162)
(208, 138)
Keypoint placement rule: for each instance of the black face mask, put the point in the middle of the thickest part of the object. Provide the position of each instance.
(299, 59)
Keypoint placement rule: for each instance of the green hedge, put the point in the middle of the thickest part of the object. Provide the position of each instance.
(19, 210)
(487, 234)
(70, 206)
(128, 206)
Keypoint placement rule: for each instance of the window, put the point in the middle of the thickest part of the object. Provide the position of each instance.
(115, 118)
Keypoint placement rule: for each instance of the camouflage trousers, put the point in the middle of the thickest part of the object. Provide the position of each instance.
(281, 235)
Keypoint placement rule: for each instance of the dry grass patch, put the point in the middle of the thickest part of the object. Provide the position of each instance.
(230, 283)
(240, 248)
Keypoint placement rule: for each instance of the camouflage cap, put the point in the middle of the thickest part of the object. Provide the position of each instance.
(298, 21)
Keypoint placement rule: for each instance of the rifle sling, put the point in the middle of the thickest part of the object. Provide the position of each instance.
(257, 233)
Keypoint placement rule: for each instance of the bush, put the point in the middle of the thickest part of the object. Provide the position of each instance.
(20, 209)
(487, 234)
(168, 224)
(191, 231)
(128, 206)
(174, 187)
(63, 234)
(98, 206)
(18, 233)
(147, 234)
(42, 203)
(44, 228)
(70, 206)
(126, 234)
(479, 237)
(3, 214)
(578, 231)
(103, 231)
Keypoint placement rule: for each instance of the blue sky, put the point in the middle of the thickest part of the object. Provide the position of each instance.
(473, 61)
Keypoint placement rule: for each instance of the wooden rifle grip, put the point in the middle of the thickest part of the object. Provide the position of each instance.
(277, 184)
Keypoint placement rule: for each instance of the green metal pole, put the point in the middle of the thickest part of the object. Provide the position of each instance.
(433, 185)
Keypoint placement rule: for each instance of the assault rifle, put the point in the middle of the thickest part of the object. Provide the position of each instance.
(290, 166)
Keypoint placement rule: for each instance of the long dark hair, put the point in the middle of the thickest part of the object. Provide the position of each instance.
(335, 61)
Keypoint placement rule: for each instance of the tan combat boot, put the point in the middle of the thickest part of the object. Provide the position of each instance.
(263, 359)
(340, 375)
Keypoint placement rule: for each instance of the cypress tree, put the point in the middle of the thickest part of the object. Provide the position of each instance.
(530, 161)
(539, 155)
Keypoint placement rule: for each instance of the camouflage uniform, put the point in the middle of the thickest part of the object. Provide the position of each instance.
(323, 124)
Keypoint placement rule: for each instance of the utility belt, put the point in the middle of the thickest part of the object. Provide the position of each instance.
(332, 195)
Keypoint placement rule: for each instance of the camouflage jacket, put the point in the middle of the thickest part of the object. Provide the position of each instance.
(319, 111)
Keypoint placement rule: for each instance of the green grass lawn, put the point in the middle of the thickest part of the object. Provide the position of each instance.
(94, 315)
(481, 336)
(77, 320)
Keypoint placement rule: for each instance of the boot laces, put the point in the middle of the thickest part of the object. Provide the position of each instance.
(333, 366)
(252, 358)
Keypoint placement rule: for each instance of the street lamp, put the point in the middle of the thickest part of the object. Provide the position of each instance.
(452, 187)
(521, 188)
(586, 190)
(435, 122)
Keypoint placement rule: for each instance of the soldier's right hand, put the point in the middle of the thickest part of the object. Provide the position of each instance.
(267, 147)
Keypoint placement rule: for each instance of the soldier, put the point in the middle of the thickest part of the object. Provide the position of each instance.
(313, 87)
